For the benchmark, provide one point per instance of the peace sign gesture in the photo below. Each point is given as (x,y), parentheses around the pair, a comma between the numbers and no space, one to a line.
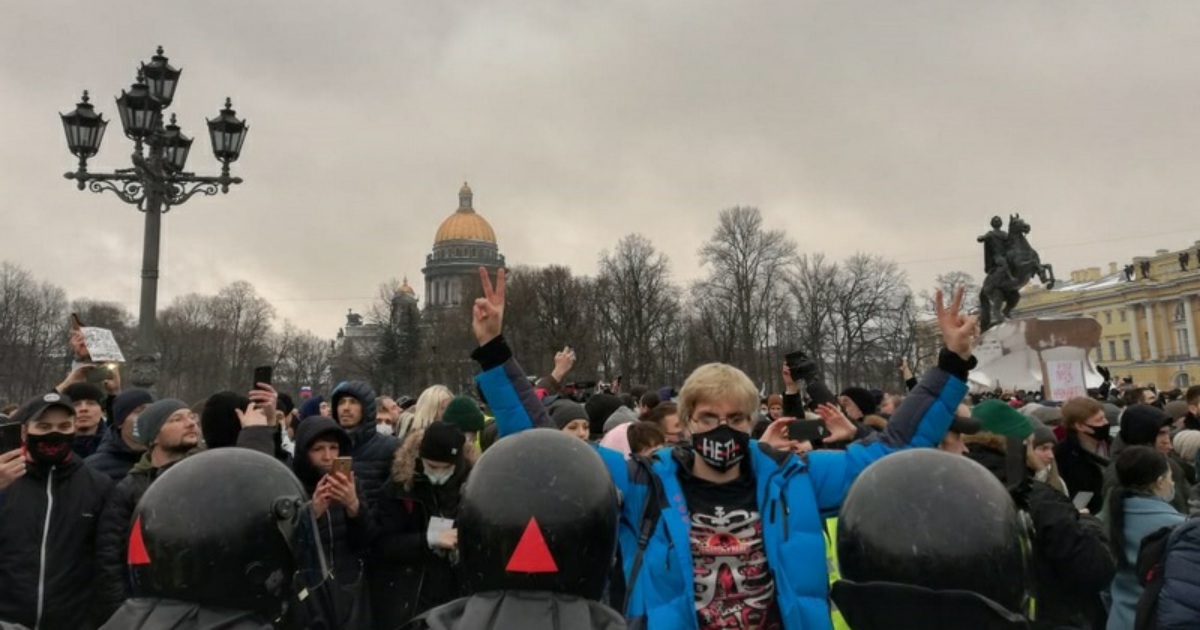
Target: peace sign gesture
(959,330)
(487,316)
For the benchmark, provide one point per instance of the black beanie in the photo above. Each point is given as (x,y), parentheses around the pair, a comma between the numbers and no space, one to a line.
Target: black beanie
(862,398)
(127,401)
(599,407)
(563,411)
(442,442)
(84,391)
(219,421)
(1140,424)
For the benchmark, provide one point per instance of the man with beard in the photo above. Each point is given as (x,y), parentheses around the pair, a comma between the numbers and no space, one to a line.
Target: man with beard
(48,516)
(170,432)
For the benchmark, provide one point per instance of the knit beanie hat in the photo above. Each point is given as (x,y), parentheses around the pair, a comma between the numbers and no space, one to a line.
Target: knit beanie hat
(1186,444)
(1140,424)
(127,401)
(862,399)
(442,442)
(774,400)
(563,411)
(219,421)
(1042,434)
(1176,409)
(152,419)
(623,415)
(465,414)
(1112,413)
(599,407)
(84,391)
(311,407)
(1000,418)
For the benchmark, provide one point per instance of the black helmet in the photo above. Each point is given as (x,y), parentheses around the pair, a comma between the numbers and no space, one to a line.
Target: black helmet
(934,520)
(217,529)
(539,513)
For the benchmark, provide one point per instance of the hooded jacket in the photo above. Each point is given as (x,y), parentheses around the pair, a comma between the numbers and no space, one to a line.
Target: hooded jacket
(792,494)
(48,522)
(372,451)
(114,457)
(1143,515)
(528,610)
(1179,600)
(169,614)
(408,577)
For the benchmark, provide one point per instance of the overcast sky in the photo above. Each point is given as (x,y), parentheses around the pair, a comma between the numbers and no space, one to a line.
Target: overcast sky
(897,128)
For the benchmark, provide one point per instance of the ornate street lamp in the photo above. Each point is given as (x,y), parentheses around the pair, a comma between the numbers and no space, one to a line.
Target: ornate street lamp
(157,181)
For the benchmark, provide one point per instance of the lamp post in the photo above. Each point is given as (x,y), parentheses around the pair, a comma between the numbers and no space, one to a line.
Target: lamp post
(157,181)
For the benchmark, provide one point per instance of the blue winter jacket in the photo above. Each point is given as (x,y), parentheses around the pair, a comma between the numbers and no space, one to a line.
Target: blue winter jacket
(1143,516)
(793,492)
(1179,600)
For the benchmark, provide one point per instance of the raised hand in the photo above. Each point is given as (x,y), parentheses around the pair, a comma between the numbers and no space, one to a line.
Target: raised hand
(253,416)
(959,330)
(487,315)
(839,426)
(563,362)
(264,396)
(789,384)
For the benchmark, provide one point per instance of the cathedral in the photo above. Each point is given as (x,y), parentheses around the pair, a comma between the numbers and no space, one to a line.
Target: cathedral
(422,346)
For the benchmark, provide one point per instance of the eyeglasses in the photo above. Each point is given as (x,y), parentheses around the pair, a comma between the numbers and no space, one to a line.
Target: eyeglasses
(738,421)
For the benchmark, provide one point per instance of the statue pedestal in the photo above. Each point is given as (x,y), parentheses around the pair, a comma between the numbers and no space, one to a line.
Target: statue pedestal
(1011,355)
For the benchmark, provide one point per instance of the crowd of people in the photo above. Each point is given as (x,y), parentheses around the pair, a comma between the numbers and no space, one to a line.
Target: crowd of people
(527,504)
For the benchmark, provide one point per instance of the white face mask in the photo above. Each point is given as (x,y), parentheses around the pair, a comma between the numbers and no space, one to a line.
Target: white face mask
(439,477)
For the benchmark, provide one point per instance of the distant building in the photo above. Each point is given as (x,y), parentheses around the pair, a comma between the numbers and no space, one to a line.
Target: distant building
(430,345)
(1147,311)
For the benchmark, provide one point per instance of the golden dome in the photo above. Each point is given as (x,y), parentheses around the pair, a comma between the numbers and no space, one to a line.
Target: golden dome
(404,288)
(465,224)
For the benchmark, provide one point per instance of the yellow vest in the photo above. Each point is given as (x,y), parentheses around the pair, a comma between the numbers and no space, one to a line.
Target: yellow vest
(831,561)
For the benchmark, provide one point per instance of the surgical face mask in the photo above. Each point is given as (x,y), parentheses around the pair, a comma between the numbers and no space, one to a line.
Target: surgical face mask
(439,477)
(51,448)
(1102,433)
(721,447)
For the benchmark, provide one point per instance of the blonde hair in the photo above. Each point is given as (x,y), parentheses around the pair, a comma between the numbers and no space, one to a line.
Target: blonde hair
(717,381)
(429,406)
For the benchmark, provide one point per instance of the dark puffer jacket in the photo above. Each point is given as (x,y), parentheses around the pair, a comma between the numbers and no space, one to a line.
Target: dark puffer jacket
(48,521)
(372,451)
(407,577)
(1081,470)
(344,539)
(528,610)
(114,457)
(1179,600)
(168,614)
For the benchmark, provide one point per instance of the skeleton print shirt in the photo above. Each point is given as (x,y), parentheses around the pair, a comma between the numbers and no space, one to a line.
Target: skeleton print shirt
(734,588)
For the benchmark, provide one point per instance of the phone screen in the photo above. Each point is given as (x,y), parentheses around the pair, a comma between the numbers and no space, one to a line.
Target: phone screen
(1082,499)
(806,430)
(10,437)
(262,374)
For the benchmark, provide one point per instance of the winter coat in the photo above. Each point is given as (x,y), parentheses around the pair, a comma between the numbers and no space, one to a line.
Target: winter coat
(48,522)
(114,457)
(112,539)
(169,614)
(407,576)
(1179,600)
(888,606)
(1081,470)
(372,451)
(794,540)
(1183,489)
(344,539)
(527,610)
(1143,515)
(85,445)
(1072,562)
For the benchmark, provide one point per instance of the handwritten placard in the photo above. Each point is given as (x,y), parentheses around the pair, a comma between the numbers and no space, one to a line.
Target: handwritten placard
(1065,380)
(101,345)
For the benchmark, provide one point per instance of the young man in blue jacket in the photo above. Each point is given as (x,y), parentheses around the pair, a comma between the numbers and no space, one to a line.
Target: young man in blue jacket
(737,541)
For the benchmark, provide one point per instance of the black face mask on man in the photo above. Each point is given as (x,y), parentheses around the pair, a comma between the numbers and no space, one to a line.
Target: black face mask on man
(1101,433)
(721,447)
(50,449)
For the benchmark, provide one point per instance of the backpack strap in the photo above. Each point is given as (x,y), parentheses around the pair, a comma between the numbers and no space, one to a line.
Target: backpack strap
(648,520)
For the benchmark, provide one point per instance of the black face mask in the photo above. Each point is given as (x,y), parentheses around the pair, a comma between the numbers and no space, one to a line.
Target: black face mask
(1102,434)
(722,447)
(50,449)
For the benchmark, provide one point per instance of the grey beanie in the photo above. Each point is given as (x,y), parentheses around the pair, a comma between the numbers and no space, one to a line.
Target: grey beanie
(562,412)
(621,416)
(152,419)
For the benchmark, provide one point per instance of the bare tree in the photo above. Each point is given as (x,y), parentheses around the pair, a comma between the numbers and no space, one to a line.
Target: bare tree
(635,301)
(747,275)
(33,334)
(948,282)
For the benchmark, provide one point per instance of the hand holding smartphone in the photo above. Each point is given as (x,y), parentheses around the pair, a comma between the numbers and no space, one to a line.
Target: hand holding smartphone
(10,436)
(262,374)
(343,465)
(806,430)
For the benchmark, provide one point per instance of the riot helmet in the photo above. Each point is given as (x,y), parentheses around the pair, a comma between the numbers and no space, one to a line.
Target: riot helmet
(930,519)
(539,513)
(219,529)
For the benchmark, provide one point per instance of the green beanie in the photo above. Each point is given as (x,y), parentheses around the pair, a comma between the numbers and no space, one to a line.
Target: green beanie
(465,414)
(1000,418)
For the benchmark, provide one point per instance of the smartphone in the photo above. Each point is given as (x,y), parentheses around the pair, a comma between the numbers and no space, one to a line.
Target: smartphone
(343,465)
(793,360)
(10,436)
(262,374)
(1081,499)
(806,430)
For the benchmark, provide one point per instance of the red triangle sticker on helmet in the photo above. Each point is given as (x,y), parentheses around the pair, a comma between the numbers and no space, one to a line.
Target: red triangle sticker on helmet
(137,547)
(532,555)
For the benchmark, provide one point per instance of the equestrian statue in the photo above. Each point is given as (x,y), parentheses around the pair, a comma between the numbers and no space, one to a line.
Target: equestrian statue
(1009,264)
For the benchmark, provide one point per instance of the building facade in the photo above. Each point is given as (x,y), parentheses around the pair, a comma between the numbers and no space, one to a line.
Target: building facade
(1147,311)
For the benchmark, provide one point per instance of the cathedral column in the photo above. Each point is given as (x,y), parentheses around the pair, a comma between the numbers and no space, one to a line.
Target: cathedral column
(1135,337)
(1150,325)
(1190,322)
